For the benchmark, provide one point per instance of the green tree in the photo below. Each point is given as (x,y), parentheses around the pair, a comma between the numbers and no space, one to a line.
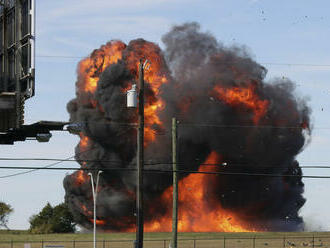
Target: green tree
(56,219)
(40,223)
(5,211)
(62,220)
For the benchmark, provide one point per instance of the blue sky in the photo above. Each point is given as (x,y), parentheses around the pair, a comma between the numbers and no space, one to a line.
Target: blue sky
(285,32)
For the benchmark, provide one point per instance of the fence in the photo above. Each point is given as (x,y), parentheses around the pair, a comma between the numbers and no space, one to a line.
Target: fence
(226,242)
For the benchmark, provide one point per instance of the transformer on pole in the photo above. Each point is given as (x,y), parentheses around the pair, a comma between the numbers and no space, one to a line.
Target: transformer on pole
(132,97)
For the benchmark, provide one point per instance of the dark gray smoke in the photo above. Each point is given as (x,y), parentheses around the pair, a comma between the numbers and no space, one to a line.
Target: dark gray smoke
(195,63)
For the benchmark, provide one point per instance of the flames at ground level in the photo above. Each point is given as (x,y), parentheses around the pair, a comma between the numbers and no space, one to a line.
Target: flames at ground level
(198,210)
(195,213)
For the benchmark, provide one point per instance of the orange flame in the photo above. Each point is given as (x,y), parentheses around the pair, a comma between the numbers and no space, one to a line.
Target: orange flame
(98,222)
(238,96)
(155,78)
(90,68)
(195,213)
(90,213)
(85,210)
(83,144)
(80,177)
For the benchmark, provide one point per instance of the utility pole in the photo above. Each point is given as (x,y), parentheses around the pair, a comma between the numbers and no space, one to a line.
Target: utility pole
(131,103)
(175,185)
(140,160)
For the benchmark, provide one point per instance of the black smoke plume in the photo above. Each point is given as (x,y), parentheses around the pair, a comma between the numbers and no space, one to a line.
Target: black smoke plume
(194,64)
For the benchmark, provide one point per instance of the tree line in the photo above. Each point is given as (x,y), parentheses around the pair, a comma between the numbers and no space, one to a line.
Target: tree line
(57,219)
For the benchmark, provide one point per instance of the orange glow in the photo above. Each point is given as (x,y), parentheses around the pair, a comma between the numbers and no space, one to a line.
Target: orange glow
(85,210)
(194,212)
(98,222)
(199,211)
(90,68)
(247,97)
(81,177)
(83,144)
(90,213)
(154,77)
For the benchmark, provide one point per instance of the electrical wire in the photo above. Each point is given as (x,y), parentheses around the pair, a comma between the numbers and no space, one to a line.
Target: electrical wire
(32,169)
(224,164)
(167,171)
(49,166)
(242,126)
(146,163)
(232,62)
(186,124)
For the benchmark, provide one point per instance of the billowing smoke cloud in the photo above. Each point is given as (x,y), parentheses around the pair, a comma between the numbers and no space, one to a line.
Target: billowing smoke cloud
(224,106)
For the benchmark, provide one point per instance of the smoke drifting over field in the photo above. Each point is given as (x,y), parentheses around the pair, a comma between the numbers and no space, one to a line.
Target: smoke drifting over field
(228,116)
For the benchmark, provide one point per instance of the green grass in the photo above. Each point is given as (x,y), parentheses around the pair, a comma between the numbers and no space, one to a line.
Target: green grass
(16,239)
(22,235)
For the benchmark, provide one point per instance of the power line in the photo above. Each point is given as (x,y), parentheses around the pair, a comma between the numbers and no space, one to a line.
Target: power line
(232,62)
(168,171)
(187,124)
(44,167)
(243,126)
(224,164)
(32,169)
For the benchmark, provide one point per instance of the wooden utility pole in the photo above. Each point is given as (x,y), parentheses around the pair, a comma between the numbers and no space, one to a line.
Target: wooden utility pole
(175,185)
(140,161)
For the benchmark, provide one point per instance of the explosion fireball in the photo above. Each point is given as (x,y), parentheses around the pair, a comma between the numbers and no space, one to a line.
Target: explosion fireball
(231,120)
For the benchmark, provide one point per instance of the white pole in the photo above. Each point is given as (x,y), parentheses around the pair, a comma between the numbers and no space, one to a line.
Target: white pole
(94,192)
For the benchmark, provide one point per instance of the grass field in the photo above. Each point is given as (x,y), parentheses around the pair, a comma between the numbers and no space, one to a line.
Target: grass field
(17,239)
